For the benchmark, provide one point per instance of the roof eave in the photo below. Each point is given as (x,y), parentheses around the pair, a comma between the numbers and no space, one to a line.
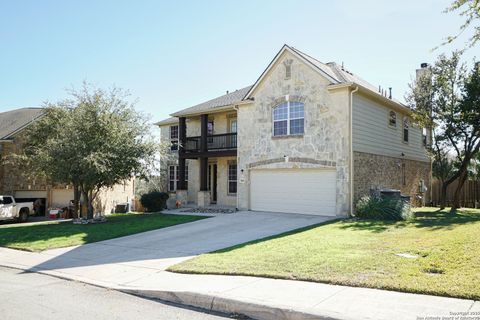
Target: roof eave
(18,130)
(209,111)
(165,122)
(372,94)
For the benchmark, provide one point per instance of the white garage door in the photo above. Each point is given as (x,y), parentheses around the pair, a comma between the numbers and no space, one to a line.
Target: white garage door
(307,191)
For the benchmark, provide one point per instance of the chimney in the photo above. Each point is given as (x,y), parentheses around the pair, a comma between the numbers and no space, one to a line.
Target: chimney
(227,92)
(390,94)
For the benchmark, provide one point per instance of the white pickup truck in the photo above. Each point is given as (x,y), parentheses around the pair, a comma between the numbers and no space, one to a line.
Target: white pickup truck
(10,209)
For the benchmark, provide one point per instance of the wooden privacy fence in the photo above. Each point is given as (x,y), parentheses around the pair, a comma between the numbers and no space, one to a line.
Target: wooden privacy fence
(469,195)
(138,206)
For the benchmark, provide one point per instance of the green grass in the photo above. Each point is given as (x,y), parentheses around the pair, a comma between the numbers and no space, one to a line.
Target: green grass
(49,235)
(362,253)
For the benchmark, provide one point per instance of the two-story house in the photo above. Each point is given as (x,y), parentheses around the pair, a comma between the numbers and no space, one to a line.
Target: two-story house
(306,137)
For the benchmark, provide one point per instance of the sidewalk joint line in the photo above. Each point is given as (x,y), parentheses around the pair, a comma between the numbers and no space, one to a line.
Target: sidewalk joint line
(242,285)
(331,296)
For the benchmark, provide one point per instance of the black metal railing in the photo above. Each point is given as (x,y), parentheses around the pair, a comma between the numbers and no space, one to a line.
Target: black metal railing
(216,142)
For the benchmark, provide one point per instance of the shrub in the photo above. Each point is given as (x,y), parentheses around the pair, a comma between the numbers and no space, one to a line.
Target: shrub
(377,208)
(154,201)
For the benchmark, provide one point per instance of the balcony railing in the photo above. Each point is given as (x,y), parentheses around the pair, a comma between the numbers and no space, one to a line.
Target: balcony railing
(216,142)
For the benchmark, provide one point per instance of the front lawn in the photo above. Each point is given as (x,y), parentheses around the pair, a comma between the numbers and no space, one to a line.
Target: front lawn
(441,255)
(55,234)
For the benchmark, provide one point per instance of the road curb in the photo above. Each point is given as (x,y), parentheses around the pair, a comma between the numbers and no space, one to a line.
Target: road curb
(207,302)
(228,306)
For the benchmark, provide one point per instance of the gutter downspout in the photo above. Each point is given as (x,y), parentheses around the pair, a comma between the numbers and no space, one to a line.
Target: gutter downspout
(351,148)
(235,107)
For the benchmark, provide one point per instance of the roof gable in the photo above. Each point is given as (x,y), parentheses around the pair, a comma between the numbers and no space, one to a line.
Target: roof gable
(323,69)
(11,122)
(332,72)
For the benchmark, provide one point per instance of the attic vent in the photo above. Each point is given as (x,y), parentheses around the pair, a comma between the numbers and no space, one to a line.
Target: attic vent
(288,68)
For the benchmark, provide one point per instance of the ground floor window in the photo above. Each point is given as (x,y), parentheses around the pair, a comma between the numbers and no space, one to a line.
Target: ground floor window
(173,174)
(232,177)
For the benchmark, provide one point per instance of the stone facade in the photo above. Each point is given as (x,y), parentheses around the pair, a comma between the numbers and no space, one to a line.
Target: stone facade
(373,171)
(14,181)
(331,134)
(221,122)
(325,142)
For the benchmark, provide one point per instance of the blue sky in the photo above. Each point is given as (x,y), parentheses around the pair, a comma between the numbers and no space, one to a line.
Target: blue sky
(172,55)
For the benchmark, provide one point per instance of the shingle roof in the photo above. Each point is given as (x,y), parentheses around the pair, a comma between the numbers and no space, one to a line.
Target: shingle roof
(170,120)
(339,74)
(15,120)
(222,101)
(332,71)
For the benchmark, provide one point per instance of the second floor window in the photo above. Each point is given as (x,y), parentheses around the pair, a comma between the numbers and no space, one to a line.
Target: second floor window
(210,127)
(288,119)
(392,119)
(174,138)
(406,126)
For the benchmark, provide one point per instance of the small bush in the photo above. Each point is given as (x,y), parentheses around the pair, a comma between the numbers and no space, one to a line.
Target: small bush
(154,201)
(377,208)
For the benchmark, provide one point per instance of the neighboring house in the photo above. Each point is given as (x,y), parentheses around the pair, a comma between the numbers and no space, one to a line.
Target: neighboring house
(306,137)
(13,181)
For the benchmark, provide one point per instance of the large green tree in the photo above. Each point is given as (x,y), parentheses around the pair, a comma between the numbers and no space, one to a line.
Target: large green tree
(93,140)
(469,10)
(446,101)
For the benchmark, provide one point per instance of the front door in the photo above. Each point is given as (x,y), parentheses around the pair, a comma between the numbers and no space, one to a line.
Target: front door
(212,181)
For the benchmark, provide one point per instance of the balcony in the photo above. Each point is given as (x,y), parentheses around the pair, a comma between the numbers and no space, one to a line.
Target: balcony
(217,145)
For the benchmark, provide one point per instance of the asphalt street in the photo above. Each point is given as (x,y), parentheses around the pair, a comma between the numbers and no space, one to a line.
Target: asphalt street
(26,295)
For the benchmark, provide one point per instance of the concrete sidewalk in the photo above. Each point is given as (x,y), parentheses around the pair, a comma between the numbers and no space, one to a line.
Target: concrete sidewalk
(255,297)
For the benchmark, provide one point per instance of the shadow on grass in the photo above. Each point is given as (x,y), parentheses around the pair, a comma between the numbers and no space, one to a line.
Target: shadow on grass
(430,220)
(277,236)
(56,234)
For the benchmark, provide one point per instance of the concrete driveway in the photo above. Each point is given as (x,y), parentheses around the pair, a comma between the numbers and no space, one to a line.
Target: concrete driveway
(131,257)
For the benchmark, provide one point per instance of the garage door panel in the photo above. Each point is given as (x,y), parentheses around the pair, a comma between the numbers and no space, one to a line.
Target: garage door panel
(296,191)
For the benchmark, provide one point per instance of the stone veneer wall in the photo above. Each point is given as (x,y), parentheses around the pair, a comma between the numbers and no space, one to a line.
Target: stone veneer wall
(221,125)
(373,171)
(326,137)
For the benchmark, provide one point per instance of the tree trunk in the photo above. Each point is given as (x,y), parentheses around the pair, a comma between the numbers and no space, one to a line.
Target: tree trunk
(88,200)
(76,199)
(443,195)
(89,206)
(456,197)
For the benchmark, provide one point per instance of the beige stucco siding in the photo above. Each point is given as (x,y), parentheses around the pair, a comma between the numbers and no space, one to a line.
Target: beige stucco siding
(373,134)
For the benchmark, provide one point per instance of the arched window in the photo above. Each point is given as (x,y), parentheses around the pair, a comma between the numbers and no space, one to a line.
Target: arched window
(288,119)
(392,119)
(405,129)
